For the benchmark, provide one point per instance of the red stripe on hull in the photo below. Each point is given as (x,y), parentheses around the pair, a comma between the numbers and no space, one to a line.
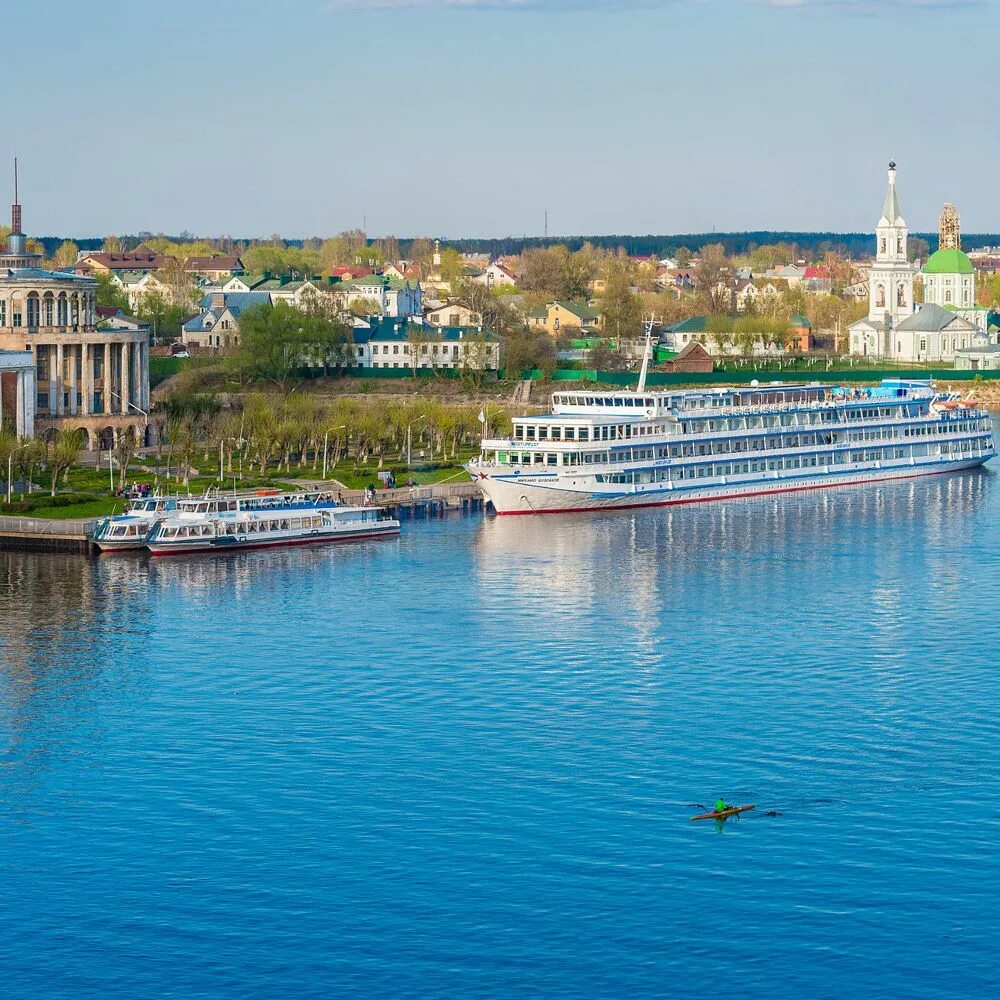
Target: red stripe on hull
(271,545)
(723,496)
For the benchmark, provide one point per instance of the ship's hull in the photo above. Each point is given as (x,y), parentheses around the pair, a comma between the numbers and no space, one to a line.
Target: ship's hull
(112,545)
(520,495)
(229,543)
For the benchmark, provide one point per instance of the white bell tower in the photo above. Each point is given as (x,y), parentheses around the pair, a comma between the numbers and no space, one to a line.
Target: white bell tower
(890,283)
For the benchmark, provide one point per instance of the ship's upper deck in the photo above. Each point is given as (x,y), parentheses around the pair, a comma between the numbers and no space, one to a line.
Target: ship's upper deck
(693,402)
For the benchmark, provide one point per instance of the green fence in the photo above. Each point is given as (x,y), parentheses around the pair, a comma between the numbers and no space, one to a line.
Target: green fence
(746,377)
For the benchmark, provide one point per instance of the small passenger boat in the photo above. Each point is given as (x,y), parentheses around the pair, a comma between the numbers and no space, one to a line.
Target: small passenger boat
(131,529)
(268,526)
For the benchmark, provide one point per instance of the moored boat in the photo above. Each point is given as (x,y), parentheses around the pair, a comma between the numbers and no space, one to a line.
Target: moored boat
(130,530)
(266,527)
(606,450)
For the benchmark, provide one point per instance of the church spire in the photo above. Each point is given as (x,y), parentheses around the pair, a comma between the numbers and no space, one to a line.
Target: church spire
(890,210)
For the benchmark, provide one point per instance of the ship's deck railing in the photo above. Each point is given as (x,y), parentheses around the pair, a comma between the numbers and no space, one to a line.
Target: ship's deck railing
(736,433)
(831,403)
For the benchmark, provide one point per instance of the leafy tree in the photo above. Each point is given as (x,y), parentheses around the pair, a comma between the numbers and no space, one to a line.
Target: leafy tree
(525,350)
(421,252)
(389,246)
(495,315)
(917,248)
(366,307)
(711,273)
(683,256)
(622,311)
(452,267)
(110,293)
(65,452)
(112,244)
(544,270)
(276,340)
(66,254)
(477,349)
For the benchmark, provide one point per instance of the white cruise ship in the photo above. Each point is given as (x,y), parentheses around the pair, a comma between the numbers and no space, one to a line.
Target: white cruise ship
(601,450)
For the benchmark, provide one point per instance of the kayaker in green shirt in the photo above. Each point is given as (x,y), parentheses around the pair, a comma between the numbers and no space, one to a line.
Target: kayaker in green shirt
(721,806)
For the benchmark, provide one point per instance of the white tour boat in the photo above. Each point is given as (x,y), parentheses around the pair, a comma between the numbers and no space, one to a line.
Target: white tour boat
(131,529)
(605,450)
(291,519)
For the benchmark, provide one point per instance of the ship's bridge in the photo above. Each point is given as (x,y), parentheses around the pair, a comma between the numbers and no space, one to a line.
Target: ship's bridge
(632,405)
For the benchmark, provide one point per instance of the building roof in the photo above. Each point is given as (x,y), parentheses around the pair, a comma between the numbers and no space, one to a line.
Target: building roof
(391,329)
(932,319)
(41,274)
(982,349)
(579,309)
(694,324)
(216,262)
(235,302)
(141,257)
(948,262)
(800,321)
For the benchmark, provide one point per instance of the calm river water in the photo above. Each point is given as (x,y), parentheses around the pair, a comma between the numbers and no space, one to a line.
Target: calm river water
(461,764)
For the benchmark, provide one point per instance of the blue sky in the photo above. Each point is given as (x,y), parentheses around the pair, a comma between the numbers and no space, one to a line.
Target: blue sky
(472,117)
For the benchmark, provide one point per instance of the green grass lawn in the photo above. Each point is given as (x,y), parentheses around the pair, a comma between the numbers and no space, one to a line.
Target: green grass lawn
(102,507)
(359,480)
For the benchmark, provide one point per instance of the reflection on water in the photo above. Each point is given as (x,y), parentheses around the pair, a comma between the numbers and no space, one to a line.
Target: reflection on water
(460,762)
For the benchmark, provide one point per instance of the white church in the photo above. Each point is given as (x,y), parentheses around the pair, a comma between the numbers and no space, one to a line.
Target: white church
(947,321)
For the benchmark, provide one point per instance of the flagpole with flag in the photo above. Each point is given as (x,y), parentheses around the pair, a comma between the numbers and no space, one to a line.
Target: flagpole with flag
(482,420)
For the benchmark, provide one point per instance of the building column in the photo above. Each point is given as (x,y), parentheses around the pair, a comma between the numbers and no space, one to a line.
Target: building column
(24,403)
(86,379)
(107,378)
(74,353)
(60,380)
(1,399)
(126,377)
(144,375)
(52,380)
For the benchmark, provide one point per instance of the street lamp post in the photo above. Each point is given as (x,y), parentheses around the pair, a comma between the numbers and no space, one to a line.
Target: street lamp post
(409,435)
(145,416)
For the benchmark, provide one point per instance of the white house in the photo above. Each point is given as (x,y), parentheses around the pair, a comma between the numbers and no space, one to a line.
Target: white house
(393,297)
(452,314)
(496,275)
(394,343)
(217,325)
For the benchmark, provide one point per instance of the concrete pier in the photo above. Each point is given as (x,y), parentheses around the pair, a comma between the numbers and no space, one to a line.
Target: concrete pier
(424,501)
(39,534)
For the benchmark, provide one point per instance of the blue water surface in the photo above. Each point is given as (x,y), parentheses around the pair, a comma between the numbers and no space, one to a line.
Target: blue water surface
(462,763)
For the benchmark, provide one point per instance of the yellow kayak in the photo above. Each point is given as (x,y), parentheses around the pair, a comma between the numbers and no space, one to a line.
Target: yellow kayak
(725,813)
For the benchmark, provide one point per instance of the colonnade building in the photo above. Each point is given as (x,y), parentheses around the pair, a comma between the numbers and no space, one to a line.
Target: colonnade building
(96,380)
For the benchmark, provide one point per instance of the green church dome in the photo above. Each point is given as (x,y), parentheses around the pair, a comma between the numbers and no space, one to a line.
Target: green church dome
(948,262)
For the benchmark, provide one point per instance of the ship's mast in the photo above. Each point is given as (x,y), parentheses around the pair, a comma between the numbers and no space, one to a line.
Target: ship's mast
(646,352)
